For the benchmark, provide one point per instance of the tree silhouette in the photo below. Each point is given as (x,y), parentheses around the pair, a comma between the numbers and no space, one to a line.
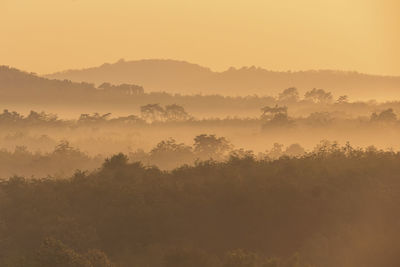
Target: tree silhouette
(275,117)
(123,89)
(168,154)
(176,113)
(210,146)
(270,112)
(152,112)
(387,116)
(295,150)
(116,161)
(318,96)
(319,119)
(342,99)
(289,95)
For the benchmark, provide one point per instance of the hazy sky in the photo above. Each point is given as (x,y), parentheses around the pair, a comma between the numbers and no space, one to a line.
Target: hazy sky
(50,35)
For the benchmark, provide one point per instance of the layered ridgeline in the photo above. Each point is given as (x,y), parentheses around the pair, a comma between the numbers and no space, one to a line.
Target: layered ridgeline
(182,77)
(28,90)
(20,84)
(25,91)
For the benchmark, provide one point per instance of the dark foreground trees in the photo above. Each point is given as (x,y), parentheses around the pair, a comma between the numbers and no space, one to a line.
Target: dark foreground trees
(335,207)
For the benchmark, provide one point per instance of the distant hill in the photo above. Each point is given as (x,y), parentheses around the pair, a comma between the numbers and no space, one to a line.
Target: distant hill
(22,88)
(20,83)
(14,81)
(25,91)
(183,77)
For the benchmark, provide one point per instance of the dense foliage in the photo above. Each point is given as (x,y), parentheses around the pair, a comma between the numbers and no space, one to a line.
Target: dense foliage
(61,162)
(337,206)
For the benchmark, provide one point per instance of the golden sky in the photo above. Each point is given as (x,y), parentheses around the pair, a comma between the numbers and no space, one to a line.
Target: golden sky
(51,35)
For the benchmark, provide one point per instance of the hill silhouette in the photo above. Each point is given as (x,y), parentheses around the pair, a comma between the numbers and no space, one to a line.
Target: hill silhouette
(183,77)
(31,91)
(27,91)
(14,82)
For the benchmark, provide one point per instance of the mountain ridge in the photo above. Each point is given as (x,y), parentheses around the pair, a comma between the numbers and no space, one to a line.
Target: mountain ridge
(252,67)
(183,77)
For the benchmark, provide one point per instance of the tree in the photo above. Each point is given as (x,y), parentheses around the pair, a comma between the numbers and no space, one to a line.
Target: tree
(241,154)
(295,150)
(175,113)
(289,95)
(152,112)
(318,96)
(276,151)
(155,112)
(128,119)
(105,86)
(319,119)
(210,146)
(10,117)
(342,99)
(168,154)
(116,161)
(94,118)
(124,89)
(63,147)
(275,117)
(280,120)
(270,112)
(36,117)
(386,115)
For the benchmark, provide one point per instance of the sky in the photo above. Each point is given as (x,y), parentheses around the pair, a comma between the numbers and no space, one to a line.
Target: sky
(46,36)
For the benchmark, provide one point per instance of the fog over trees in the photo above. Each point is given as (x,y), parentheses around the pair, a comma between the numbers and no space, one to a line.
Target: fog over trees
(168,164)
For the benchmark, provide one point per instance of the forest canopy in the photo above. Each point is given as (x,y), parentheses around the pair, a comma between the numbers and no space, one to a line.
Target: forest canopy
(318,209)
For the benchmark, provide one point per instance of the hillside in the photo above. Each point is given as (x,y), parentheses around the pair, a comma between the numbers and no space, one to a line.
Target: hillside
(19,83)
(26,91)
(182,77)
